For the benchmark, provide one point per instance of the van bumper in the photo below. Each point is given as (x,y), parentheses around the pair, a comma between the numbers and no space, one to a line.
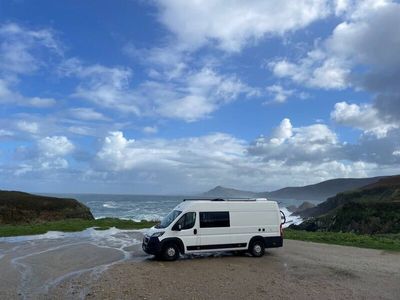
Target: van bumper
(273,242)
(151,245)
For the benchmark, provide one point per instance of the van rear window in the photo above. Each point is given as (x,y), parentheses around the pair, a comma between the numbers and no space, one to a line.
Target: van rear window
(214,219)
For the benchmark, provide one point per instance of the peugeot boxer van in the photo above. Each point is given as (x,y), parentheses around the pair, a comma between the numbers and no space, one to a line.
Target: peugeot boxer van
(206,225)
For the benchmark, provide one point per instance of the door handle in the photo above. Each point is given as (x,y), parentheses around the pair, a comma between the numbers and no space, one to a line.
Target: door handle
(195,231)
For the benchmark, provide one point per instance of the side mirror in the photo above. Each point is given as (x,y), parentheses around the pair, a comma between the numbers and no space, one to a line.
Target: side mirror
(177,227)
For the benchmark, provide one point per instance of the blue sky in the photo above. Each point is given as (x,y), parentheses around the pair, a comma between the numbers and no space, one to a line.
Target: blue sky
(180,96)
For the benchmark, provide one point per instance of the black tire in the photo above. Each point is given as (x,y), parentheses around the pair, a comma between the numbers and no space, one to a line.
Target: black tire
(257,248)
(170,252)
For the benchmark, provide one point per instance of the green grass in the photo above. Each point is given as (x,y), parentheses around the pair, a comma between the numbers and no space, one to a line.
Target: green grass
(389,242)
(71,225)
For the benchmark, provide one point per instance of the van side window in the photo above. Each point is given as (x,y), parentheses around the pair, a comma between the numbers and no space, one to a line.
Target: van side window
(186,221)
(214,219)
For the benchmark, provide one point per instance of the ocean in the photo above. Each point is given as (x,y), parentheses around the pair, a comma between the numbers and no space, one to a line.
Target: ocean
(147,207)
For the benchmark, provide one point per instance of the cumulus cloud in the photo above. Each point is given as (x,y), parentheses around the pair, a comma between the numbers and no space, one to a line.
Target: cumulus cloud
(303,155)
(299,155)
(367,37)
(55,146)
(120,153)
(362,52)
(197,23)
(292,145)
(364,117)
(315,70)
(50,154)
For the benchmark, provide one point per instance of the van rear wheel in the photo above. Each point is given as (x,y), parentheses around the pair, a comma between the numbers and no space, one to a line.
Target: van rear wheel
(257,248)
(170,252)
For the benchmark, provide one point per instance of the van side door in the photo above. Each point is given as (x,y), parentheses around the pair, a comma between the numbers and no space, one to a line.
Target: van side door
(214,230)
(186,229)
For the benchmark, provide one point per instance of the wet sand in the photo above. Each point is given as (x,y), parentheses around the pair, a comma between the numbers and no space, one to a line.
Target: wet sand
(114,267)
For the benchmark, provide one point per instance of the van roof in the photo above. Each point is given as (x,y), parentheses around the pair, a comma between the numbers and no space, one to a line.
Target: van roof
(224,204)
(226,199)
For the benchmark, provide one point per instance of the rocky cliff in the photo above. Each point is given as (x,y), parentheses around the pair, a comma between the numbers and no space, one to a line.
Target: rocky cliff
(19,207)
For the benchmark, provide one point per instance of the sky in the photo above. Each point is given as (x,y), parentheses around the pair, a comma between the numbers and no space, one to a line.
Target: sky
(178,96)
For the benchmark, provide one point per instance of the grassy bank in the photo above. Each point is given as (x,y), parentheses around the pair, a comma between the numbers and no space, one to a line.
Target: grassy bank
(71,225)
(389,242)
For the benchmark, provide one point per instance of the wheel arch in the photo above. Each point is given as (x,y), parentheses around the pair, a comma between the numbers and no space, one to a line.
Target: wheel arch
(256,238)
(176,241)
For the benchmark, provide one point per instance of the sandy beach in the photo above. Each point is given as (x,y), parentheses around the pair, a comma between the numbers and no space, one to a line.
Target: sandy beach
(111,265)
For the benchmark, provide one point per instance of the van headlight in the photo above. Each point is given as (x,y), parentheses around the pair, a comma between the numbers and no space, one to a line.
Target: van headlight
(158,234)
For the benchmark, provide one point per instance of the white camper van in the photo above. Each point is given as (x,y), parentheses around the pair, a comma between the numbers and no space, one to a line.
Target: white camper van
(205,225)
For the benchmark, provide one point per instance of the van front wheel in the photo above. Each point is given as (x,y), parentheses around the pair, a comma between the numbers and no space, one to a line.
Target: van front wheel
(257,248)
(170,252)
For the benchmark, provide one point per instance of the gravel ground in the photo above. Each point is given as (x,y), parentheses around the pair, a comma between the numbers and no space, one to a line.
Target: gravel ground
(111,265)
(299,270)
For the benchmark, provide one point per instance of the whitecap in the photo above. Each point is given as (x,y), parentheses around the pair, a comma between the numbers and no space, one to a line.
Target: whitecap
(110,204)
(291,218)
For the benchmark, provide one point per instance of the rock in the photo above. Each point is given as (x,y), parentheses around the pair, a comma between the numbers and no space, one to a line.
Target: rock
(292,208)
(305,205)
(20,208)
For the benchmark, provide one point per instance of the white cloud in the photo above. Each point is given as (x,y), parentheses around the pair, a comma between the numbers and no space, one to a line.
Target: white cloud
(193,96)
(362,51)
(119,153)
(8,96)
(55,146)
(38,102)
(279,94)
(314,143)
(283,132)
(305,155)
(30,127)
(364,117)
(105,86)
(197,23)
(21,48)
(87,114)
(150,129)
(6,133)
(396,153)
(315,70)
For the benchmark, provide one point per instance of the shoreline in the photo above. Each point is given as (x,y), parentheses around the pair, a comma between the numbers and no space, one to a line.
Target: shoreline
(389,242)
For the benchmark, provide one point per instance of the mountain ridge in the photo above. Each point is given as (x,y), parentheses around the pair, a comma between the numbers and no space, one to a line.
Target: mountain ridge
(318,191)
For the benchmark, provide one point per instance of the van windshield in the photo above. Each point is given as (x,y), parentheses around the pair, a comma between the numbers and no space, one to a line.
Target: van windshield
(169,219)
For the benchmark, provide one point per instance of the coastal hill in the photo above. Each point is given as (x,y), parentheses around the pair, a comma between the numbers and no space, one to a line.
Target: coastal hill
(374,208)
(320,191)
(223,192)
(19,208)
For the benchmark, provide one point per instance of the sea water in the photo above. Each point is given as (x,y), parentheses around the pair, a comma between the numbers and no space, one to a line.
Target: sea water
(148,207)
